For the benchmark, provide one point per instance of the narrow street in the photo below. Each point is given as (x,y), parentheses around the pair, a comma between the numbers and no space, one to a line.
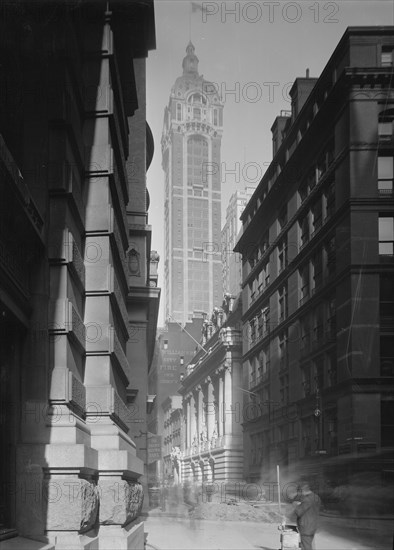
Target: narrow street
(173,533)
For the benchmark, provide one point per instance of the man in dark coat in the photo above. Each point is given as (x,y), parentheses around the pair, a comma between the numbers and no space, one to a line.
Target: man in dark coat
(307,511)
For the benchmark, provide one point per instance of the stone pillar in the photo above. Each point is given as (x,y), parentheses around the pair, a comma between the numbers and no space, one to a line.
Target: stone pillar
(121,500)
(228,401)
(221,402)
(74,502)
(211,413)
(188,423)
(193,420)
(57,495)
(199,413)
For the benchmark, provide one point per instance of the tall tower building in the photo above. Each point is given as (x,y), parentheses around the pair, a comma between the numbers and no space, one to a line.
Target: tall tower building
(191,140)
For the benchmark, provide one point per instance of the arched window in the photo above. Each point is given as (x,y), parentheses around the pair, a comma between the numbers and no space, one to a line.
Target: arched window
(196,113)
(197,98)
(215,117)
(178,111)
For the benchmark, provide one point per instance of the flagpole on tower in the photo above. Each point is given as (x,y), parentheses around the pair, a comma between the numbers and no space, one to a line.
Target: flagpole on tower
(190,21)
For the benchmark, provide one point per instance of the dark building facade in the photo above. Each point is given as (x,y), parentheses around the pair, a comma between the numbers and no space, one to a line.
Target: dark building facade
(318,273)
(77,279)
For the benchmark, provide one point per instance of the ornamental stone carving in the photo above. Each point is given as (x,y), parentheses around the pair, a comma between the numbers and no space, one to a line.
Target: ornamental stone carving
(78,393)
(73,503)
(89,505)
(77,263)
(134,262)
(176,454)
(121,501)
(154,256)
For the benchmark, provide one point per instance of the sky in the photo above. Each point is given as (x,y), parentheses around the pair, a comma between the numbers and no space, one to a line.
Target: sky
(252,51)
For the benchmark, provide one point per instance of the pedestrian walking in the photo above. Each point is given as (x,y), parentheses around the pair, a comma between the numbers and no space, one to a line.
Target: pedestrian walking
(307,509)
(164,496)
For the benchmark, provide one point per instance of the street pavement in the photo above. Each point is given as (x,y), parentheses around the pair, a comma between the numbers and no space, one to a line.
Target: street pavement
(171,532)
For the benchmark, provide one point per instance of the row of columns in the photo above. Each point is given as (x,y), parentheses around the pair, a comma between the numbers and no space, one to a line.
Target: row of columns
(208,408)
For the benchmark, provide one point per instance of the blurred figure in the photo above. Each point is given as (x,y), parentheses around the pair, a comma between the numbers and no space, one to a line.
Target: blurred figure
(307,509)
(189,496)
(164,496)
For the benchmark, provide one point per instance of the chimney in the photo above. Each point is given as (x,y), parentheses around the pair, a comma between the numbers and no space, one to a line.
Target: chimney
(299,93)
(277,130)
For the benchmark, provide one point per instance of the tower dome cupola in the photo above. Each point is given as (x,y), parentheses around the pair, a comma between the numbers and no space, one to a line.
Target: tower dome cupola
(190,61)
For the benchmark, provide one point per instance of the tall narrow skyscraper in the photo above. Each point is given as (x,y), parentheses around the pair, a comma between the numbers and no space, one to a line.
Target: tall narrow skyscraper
(191,141)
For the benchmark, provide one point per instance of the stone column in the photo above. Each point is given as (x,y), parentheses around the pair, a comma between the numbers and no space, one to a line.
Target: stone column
(193,420)
(188,422)
(121,499)
(211,413)
(199,412)
(228,401)
(221,401)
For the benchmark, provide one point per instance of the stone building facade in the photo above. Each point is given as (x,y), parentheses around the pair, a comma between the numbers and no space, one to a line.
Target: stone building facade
(175,347)
(72,246)
(318,274)
(212,447)
(172,439)
(191,141)
(232,261)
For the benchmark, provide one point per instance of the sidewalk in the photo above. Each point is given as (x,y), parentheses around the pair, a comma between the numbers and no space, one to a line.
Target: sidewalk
(166,531)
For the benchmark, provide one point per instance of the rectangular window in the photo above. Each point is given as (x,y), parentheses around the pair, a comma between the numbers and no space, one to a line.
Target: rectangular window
(282,299)
(316,216)
(386,56)
(386,235)
(252,378)
(178,111)
(267,274)
(282,217)
(304,228)
(264,360)
(385,129)
(317,267)
(265,319)
(282,342)
(330,313)
(320,167)
(330,257)
(260,324)
(215,117)
(386,298)
(307,381)
(330,201)
(331,370)
(282,255)
(318,372)
(196,113)
(305,335)
(387,423)
(318,327)
(385,175)
(387,355)
(252,328)
(284,389)
(304,283)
